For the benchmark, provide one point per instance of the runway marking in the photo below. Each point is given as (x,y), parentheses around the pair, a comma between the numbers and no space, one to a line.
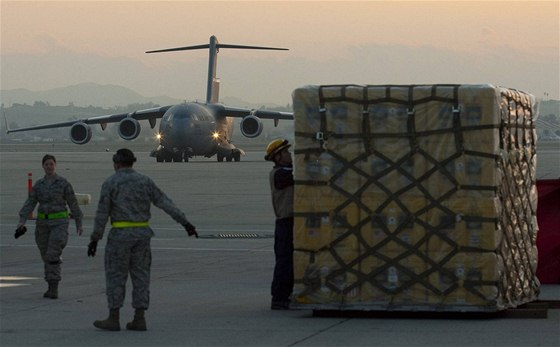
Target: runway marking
(171,248)
(11,279)
(8,285)
(215,230)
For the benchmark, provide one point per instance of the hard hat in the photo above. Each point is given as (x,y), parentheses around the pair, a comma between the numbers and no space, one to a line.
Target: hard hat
(275,147)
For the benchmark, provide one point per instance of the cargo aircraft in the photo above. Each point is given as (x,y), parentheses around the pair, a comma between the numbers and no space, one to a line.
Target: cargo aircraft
(188,129)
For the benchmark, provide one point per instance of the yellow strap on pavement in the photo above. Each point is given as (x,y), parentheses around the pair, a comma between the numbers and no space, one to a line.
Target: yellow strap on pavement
(127,224)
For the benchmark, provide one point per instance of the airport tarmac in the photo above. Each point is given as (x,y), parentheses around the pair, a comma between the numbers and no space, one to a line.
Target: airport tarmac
(210,291)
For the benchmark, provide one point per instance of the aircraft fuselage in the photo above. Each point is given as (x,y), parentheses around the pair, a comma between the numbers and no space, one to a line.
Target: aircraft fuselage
(194,129)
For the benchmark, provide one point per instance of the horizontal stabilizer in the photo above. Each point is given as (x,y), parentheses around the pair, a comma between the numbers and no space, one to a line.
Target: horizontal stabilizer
(212,91)
(218,46)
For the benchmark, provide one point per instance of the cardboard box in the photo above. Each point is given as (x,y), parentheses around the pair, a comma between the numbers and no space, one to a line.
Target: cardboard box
(415,197)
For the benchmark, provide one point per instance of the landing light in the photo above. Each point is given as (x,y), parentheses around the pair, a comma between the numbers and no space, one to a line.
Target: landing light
(158,136)
(215,135)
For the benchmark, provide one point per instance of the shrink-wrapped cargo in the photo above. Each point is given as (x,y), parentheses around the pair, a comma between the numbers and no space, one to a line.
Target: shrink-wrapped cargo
(414,197)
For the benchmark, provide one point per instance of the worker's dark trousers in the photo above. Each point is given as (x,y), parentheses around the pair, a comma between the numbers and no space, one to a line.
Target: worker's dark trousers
(283,280)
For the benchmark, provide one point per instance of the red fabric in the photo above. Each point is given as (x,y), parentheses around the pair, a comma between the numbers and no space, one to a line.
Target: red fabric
(548,238)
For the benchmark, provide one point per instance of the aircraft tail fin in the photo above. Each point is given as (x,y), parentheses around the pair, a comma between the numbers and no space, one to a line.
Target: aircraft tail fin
(6,122)
(213,85)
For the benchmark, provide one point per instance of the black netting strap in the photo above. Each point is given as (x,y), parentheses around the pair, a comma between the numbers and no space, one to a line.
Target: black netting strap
(321,136)
(305,134)
(310,183)
(388,98)
(457,128)
(480,127)
(410,120)
(439,268)
(480,219)
(366,134)
(311,279)
(483,188)
(474,286)
(311,214)
(376,135)
(439,166)
(532,142)
(493,156)
(409,250)
(347,165)
(349,198)
(374,179)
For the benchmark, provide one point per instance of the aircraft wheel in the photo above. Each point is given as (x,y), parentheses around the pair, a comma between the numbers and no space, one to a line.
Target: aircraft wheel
(237,156)
(220,157)
(159,159)
(229,157)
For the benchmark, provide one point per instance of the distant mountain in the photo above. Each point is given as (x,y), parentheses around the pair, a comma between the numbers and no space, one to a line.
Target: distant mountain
(84,94)
(97,95)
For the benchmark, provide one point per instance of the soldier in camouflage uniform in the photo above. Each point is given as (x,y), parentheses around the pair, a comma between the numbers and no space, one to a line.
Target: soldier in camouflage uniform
(126,198)
(53,193)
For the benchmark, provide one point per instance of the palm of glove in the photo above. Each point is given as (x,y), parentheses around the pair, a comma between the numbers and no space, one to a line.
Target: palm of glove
(92,249)
(191,230)
(20,231)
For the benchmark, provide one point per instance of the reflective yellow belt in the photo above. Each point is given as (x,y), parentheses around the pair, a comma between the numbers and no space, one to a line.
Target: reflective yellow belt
(54,215)
(126,224)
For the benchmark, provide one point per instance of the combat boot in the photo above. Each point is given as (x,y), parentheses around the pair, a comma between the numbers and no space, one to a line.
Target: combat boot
(52,292)
(139,322)
(111,323)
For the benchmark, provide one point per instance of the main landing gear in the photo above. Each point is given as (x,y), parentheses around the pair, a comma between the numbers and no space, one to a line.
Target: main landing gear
(234,155)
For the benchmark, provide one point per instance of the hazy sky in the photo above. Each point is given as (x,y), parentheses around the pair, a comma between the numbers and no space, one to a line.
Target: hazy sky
(48,44)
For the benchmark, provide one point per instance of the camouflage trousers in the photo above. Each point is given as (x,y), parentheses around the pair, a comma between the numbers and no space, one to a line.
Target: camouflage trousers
(51,236)
(123,257)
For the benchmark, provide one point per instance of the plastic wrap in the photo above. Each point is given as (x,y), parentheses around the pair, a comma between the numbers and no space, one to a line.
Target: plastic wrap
(414,197)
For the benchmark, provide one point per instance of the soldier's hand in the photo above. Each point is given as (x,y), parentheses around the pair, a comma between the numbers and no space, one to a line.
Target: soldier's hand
(20,230)
(92,249)
(191,230)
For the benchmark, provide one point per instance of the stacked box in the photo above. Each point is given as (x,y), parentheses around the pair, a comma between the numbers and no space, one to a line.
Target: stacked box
(414,197)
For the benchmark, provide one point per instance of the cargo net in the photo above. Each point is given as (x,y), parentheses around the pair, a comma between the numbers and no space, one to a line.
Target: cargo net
(414,196)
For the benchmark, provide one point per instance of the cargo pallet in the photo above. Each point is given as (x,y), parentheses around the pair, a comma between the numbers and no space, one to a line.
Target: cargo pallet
(536,309)
(414,198)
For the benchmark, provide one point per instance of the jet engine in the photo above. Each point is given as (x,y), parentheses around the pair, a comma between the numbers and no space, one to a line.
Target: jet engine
(251,126)
(129,128)
(80,133)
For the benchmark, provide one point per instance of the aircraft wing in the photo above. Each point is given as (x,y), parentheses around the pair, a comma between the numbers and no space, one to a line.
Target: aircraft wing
(229,111)
(151,114)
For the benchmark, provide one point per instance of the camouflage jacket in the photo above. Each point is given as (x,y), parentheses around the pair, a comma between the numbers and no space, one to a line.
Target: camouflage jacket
(52,194)
(127,196)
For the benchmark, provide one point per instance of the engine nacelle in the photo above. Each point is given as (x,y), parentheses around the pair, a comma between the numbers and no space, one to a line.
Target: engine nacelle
(129,128)
(80,133)
(251,126)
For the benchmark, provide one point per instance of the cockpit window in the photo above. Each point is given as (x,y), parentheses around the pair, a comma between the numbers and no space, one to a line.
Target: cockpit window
(180,116)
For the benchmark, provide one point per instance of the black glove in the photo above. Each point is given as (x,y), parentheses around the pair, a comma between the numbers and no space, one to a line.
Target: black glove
(191,230)
(20,231)
(91,249)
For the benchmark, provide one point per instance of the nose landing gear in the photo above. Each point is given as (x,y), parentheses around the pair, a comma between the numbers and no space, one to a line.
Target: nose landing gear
(233,155)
